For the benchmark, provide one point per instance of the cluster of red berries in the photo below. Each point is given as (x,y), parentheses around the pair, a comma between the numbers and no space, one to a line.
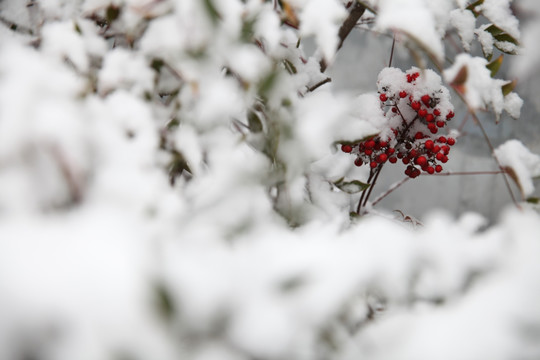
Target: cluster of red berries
(416,110)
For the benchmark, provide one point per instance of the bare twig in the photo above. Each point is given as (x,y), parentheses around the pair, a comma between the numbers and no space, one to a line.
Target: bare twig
(392,51)
(317,85)
(390,190)
(449,173)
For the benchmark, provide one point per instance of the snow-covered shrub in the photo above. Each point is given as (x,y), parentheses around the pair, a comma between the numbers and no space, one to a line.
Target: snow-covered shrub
(171,185)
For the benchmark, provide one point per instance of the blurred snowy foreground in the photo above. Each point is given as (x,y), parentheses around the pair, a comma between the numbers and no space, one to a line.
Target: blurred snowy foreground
(172,197)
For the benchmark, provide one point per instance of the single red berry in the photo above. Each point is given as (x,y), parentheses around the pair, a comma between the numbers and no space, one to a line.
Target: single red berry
(426,99)
(402,94)
(408,171)
(346,148)
(390,151)
(400,155)
(430,170)
(430,117)
(358,162)
(409,78)
(451,141)
(440,123)
(444,159)
(418,136)
(383,143)
(405,160)
(408,146)
(432,127)
(441,139)
(445,149)
(439,156)
(450,115)
(436,149)
(370,144)
(438,168)
(394,110)
(429,144)
(421,161)
(383,97)
(413,153)
(368,152)
(373,164)
(416,105)
(382,158)
(392,159)
(422,112)
(436,112)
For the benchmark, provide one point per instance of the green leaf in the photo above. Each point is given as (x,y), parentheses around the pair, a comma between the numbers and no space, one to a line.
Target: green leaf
(351,187)
(77,28)
(473,6)
(254,122)
(509,87)
(495,65)
(494,30)
(112,13)
(212,11)
(289,66)
(533,200)
(267,84)
(164,301)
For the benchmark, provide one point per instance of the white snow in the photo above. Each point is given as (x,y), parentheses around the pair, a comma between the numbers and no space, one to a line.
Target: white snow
(523,163)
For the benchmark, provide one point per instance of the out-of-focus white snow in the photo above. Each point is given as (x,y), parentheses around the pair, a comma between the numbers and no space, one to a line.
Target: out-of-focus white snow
(523,163)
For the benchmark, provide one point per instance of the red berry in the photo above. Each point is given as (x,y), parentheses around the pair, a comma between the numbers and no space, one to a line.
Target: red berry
(415,75)
(413,153)
(399,155)
(439,156)
(409,78)
(440,124)
(390,151)
(436,149)
(430,170)
(441,139)
(358,162)
(383,143)
(451,141)
(416,105)
(422,112)
(450,115)
(402,94)
(433,128)
(429,117)
(418,136)
(368,152)
(421,161)
(382,158)
(392,159)
(444,159)
(429,144)
(373,164)
(370,144)
(346,148)
(405,160)
(426,99)
(394,110)
(383,97)
(438,168)
(436,112)
(445,149)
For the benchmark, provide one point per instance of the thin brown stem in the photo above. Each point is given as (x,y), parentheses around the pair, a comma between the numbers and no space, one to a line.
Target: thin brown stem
(390,190)
(317,85)
(392,51)
(449,173)
(359,207)
(372,185)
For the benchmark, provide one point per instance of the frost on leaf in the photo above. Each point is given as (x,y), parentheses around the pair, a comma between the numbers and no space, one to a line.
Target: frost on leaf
(479,89)
(521,164)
